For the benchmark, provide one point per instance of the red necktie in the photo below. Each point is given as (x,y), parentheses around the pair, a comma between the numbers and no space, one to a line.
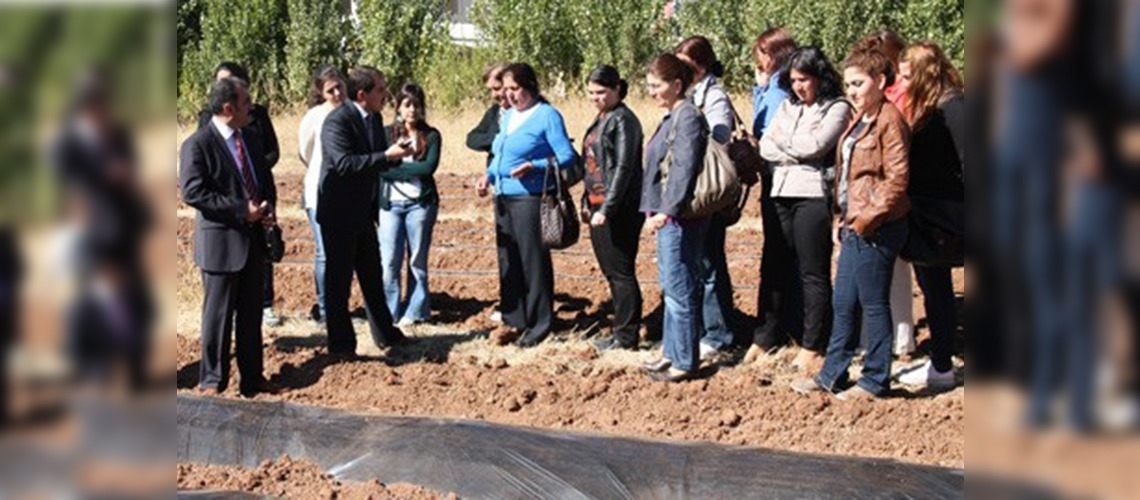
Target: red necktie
(246,172)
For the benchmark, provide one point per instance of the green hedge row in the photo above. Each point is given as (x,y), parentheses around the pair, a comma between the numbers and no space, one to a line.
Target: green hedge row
(283,41)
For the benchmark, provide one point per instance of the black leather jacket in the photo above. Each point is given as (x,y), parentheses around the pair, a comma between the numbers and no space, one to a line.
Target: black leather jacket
(618,152)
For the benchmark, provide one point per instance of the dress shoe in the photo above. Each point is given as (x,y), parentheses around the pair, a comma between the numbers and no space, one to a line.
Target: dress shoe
(611,343)
(673,376)
(856,393)
(261,387)
(531,339)
(657,365)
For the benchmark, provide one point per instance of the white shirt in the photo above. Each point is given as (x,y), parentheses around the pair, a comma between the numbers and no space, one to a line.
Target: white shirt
(412,190)
(311,151)
(231,142)
(520,117)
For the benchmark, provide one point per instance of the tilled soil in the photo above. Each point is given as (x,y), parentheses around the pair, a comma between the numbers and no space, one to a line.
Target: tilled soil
(290,478)
(456,372)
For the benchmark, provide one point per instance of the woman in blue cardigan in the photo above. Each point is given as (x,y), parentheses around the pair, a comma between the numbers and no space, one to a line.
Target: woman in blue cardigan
(532,138)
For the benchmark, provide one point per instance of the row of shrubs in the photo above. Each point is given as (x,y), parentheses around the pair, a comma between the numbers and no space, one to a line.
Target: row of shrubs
(283,41)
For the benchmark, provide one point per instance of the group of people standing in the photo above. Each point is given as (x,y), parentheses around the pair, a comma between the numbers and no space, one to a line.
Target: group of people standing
(844,152)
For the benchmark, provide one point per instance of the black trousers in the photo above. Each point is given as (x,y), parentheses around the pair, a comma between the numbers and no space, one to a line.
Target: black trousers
(348,251)
(233,302)
(615,245)
(267,290)
(805,227)
(526,273)
(779,303)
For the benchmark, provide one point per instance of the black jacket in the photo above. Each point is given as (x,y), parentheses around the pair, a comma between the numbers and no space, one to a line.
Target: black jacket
(350,170)
(260,124)
(618,153)
(937,153)
(483,135)
(212,184)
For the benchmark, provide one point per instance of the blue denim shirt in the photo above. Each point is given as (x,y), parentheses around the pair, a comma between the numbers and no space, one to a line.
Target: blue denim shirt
(691,138)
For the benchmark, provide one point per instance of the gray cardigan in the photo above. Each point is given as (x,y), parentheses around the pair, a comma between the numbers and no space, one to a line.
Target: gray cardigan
(800,143)
(669,196)
(713,101)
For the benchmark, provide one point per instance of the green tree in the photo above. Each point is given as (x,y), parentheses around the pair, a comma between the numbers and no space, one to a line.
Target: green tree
(401,37)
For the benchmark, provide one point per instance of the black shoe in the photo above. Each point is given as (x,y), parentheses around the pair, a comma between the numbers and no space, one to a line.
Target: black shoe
(531,339)
(658,365)
(610,343)
(670,376)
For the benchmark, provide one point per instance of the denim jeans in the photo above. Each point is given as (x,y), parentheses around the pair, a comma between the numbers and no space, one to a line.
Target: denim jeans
(406,227)
(679,248)
(716,305)
(863,280)
(319,260)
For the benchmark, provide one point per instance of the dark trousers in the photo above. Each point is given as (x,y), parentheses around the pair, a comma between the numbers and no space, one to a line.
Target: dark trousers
(233,302)
(716,306)
(938,299)
(863,282)
(802,272)
(779,303)
(526,273)
(348,251)
(615,245)
(267,285)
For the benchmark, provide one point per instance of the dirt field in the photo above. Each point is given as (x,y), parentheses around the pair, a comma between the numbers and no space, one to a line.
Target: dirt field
(563,383)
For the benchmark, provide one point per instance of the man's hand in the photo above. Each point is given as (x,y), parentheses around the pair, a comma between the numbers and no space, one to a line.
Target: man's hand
(254,213)
(270,215)
(482,186)
(398,151)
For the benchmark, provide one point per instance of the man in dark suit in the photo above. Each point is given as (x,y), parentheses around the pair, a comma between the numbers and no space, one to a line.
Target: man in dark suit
(261,127)
(355,152)
(225,178)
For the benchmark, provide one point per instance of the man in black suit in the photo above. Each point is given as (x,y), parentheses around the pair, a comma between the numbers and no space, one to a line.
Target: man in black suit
(262,126)
(224,176)
(355,152)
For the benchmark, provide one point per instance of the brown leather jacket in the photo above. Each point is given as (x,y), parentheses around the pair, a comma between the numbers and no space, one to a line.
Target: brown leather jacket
(879,172)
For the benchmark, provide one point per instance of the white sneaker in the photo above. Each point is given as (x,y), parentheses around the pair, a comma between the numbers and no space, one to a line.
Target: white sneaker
(925,374)
(270,318)
(497,317)
(706,352)
(406,322)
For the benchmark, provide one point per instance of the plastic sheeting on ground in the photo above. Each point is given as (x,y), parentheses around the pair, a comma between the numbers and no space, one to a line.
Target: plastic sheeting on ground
(482,460)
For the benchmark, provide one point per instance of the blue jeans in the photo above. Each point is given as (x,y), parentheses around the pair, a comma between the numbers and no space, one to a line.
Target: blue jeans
(863,280)
(406,227)
(716,306)
(319,261)
(679,248)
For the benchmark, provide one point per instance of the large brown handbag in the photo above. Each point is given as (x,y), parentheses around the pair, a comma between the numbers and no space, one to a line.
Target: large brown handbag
(716,188)
(556,213)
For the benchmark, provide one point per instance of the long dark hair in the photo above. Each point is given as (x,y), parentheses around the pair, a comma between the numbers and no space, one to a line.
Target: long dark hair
(699,49)
(813,62)
(608,77)
(523,74)
(414,94)
(324,75)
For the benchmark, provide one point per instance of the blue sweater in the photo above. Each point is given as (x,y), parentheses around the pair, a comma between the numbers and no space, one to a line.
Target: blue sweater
(765,101)
(539,138)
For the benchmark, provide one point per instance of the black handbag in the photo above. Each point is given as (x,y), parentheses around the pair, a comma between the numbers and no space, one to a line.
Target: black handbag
(274,244)
(937,233)
(557,214)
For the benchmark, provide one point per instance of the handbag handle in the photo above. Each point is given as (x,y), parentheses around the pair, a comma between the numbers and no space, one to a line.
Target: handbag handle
(551,162)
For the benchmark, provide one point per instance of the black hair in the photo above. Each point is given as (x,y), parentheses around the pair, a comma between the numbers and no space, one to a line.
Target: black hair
(235,70)
(523,74)
(813,62)
(361,78)
(323,75)
(608,77)
(225,91)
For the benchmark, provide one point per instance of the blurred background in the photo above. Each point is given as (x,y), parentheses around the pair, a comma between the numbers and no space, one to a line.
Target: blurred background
(87,152)
(89,95)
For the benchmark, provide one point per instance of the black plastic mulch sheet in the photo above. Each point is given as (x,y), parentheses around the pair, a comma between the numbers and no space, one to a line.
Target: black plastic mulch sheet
(481,460)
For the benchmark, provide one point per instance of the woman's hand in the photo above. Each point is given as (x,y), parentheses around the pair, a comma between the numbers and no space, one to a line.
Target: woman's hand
(836,227)
(482,186)
(397,151)
(598,220)
(522,170)
(656,222)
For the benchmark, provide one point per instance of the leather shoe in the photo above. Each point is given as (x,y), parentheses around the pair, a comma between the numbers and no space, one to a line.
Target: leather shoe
(530,339)
(208,391)
(611,343)
(261,387)
(657,365)
(672,376)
